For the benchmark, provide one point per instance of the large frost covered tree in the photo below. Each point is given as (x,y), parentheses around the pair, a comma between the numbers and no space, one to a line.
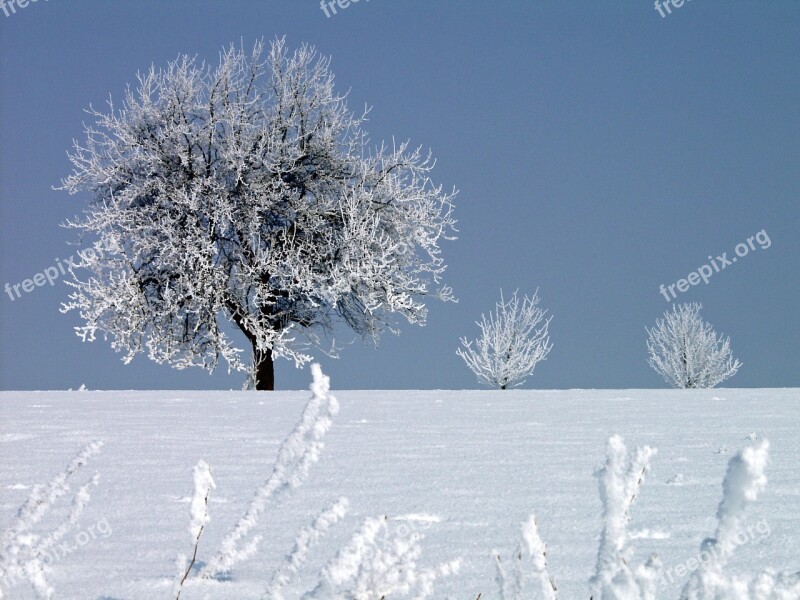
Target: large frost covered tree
(513,340)
(686,351)
(248,193)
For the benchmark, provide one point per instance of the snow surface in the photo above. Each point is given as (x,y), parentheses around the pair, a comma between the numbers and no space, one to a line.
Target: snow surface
(463,468)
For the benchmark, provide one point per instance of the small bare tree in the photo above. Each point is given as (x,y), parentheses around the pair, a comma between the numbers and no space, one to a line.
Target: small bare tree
(513,340)
(686,351)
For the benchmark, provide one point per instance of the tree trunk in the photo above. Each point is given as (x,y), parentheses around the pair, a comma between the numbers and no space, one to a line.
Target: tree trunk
(264,370)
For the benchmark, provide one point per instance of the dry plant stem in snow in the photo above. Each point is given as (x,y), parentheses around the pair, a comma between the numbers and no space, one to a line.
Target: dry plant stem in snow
(620,480)
(22,552)
(306,539)
(744,481)
(371,566)
(615,578)
(298,452)
(524,585)
(374,566)
(203,483)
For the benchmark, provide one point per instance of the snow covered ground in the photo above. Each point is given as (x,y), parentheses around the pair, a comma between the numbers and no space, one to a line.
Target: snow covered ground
(464,468)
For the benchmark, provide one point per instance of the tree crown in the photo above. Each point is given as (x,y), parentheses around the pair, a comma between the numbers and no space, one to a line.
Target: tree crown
(247,192)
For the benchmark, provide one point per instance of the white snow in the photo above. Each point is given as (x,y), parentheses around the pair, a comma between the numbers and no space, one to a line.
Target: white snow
(465,468)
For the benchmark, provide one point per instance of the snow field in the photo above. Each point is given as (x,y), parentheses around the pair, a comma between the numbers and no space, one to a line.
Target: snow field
(463,468)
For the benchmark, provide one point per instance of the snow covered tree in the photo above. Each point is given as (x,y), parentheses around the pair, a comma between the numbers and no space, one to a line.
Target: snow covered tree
(513,340)
(248,193)
(686,351)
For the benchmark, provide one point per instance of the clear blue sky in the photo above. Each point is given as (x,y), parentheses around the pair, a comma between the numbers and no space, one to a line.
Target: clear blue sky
(600,150)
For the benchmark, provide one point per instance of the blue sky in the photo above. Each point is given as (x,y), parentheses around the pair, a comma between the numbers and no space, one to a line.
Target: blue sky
(600,149)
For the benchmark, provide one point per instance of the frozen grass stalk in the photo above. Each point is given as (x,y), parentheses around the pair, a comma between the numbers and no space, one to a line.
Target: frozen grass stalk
(306,540)
(203,484)
(22,551)
(536,584)
(744,481)
(615,579)
(620,480)
(374,565)
(298,452)
(370,567)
